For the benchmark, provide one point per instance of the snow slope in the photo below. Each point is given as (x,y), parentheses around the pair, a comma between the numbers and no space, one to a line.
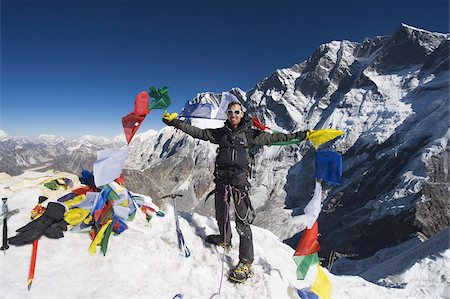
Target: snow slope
(144,262)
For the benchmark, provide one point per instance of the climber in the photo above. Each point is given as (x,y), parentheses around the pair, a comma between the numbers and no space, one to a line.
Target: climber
(231,173)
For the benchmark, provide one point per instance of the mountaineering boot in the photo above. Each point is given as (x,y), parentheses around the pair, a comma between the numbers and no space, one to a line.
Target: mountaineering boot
(241,273)
(217,240)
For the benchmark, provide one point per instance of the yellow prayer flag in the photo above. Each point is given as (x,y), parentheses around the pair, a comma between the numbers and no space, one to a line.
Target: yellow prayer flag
(98,238)
(322,286)
(76,216)
(319,137)
(74,201)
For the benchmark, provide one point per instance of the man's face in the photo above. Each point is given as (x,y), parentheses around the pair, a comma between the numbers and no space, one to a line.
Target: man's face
(235,114)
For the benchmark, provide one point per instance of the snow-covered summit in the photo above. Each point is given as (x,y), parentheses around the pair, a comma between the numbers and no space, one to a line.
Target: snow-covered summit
(147,135)
(94,139)
(147,254)
(412,28)
(3,135)
(50,139)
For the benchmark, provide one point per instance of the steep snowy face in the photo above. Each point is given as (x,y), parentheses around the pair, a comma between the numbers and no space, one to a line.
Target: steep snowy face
(94,140)
(395,115)
(3,135)
(406,47)
(50,139)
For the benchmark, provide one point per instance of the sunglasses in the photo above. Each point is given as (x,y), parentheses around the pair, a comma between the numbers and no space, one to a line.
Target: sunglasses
(237,112)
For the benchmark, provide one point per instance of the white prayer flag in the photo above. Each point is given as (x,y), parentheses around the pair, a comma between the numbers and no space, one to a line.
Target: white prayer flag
(312,209)
(109,165)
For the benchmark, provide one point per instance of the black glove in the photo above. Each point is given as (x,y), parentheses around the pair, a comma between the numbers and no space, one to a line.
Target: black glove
(301,135)
(172,123)
(55,231)
(36,228)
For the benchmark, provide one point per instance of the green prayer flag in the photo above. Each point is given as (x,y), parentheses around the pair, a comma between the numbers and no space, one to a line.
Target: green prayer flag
(131,216)
(105,240)
(52,185)
(292,141)
(112,195)
(159,98)
(303,263)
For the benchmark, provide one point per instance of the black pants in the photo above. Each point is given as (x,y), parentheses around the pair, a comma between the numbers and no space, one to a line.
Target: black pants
(241,203)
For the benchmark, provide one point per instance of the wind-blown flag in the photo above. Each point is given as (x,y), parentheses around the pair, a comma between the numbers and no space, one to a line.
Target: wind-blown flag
(322,286)
(109,164)
(308,243)
(133,121)
(319,137)
(206,110)
(259,125)
(329,166)
(197,110)
(303,263)
(160,97)
(292,141)
(312,209)
(306,252)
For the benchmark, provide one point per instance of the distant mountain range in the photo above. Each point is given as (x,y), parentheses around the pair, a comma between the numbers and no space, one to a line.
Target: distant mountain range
(389,94)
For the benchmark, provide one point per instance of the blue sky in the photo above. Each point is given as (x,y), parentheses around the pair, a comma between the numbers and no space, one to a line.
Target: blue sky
(72,68)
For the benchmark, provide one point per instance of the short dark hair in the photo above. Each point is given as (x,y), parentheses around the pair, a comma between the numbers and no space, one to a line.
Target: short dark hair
(234,103)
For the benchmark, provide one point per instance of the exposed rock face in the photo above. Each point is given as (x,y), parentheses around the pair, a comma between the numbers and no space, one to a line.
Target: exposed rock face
(433,211)
(408,46)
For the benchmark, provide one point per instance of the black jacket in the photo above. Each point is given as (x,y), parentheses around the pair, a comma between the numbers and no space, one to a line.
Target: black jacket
(234,144)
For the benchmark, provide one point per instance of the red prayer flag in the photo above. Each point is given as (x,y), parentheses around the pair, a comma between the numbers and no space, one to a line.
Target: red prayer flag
(133,121)
(82,190)
(120,180)
(131,124)
(308,243)
(141,103)
(258,124)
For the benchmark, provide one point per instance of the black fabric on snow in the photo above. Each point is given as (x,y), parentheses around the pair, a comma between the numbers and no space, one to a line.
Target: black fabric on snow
(55,231)
(36,228)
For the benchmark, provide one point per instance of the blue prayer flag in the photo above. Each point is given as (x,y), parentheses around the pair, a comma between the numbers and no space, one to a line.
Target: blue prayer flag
(197,110)
(329,166)
(306,293)
(100,201)
(87,178)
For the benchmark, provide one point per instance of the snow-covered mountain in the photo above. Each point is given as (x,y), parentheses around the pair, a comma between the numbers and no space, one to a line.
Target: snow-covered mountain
(389,94)
(3,135)
(144,262)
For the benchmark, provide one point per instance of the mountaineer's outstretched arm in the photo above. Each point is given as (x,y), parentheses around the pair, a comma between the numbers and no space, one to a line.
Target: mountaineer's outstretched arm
(210,135)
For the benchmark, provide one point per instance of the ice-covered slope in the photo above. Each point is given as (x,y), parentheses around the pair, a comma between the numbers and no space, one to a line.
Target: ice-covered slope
(394,111)
(144,262)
